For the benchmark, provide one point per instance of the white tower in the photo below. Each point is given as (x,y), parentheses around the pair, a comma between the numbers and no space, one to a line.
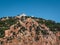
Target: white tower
(23,14)
(7,17)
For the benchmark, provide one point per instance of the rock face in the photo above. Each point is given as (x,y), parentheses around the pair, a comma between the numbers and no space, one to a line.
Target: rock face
(29,32)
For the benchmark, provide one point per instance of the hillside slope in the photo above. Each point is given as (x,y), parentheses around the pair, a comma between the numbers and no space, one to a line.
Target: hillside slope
(27,30)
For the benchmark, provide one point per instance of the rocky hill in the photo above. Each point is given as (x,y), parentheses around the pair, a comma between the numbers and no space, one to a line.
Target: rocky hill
(27,30)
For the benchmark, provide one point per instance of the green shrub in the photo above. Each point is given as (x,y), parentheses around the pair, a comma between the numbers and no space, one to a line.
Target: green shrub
(44,32)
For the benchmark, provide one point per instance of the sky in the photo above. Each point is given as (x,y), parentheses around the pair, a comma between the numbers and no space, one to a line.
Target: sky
(47,9)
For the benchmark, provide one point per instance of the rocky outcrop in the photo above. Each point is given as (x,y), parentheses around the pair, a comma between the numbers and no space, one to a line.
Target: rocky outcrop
(29,32)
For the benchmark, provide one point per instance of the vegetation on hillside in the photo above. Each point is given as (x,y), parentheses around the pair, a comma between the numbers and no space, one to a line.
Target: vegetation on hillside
(4,25)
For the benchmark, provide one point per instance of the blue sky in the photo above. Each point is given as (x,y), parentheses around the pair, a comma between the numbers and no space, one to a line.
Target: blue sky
(47,9)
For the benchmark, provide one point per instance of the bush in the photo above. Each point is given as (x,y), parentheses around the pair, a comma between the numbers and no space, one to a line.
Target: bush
(44,32)
(38,30)
(1,33)
(36,38)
